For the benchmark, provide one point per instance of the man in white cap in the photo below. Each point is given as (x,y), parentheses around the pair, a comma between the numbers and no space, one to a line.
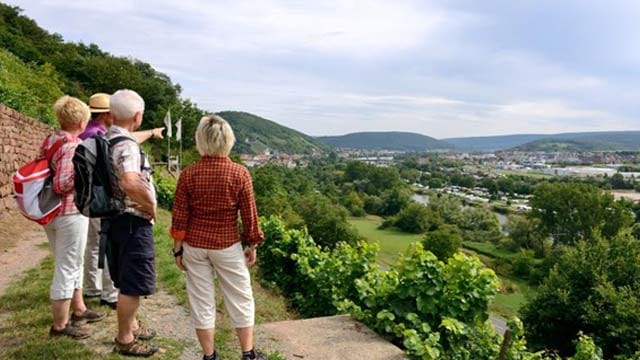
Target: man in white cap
(97,282)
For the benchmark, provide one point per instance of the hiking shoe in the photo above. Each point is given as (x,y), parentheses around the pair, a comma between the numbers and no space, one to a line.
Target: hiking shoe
(73,332)
(144,333)
(253,355)
(113,305)
(134,348)
(211,357)
(87,317)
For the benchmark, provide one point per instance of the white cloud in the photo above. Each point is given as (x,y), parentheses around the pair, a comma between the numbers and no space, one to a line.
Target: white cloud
(336,66)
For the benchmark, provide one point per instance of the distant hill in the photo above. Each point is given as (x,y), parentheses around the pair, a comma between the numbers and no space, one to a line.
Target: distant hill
(401,141)
(587,141)
(492,143)
(609,141)
(255,134)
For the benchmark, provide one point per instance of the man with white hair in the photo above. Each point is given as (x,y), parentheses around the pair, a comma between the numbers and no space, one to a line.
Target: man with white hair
(130,248)
(97,282)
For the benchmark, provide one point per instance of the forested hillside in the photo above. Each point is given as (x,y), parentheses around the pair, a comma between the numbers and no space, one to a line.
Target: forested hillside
(391,140)
(43,66)
(255,134)
(608,141)
(585,141)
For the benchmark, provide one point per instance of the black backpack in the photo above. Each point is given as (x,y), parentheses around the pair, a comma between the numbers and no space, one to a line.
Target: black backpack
(95,178)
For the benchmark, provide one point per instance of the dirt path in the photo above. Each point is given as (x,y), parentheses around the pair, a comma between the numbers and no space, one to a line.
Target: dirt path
(23,245)
(160,312)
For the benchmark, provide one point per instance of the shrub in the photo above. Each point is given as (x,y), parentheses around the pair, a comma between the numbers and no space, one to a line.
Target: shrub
(29,89)
(165,190)
(523,263)
(593,288)
(416,218)
(443,242)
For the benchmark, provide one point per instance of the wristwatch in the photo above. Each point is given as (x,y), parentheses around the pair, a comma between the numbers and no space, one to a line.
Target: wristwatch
(178,253)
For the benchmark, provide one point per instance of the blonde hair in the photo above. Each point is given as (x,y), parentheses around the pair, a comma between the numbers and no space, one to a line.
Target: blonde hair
(214,136)
(71,112)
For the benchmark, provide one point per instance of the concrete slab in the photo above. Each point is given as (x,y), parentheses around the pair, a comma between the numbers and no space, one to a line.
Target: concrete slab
(326,338)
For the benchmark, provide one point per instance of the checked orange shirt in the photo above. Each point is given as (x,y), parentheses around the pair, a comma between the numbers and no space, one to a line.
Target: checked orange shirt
(209,195)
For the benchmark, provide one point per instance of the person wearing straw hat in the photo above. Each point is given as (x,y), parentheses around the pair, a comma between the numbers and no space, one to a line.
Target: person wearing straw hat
(97,282)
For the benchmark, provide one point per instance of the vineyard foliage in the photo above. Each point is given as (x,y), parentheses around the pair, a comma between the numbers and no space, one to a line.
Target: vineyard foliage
(433,309)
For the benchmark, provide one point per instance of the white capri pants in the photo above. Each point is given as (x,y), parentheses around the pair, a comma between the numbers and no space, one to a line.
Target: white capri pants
(235,282)
(67,237)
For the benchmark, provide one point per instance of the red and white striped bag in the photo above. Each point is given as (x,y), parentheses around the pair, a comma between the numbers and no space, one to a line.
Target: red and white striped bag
(33,188)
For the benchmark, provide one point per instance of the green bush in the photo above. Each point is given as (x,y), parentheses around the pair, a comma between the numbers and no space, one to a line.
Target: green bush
(433,309)
(29,89)
(165,190)
(443,242)
(416,218)
(523,263)
(593,288)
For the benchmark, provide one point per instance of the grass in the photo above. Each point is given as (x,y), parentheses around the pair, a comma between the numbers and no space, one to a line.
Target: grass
(489,249)
(25,315)
(513,293)
(392,241)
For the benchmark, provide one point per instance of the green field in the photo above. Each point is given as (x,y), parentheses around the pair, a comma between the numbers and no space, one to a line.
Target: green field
(513,291)
(392,242)
(489,249)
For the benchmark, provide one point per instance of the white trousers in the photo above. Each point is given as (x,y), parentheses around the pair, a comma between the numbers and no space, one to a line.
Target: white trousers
(235,282)
(97,282)
(67,237)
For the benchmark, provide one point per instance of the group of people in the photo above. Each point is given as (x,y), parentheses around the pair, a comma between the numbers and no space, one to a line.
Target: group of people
(210,195)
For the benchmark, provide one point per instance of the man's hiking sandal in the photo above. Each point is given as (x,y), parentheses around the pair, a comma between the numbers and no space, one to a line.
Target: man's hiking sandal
(87,317)
(144,333)
(134,348)
(73,332)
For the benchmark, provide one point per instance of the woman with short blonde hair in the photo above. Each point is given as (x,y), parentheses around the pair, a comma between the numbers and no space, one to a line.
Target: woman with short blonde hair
(204,226)
(214,136)
(71,112)
(67,233)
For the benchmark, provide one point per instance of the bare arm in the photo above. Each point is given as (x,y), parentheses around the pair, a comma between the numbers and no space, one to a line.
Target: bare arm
(142,136)
(138,191)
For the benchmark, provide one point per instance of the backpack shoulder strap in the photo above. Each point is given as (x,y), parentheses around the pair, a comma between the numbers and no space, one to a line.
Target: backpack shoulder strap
(119,139)
(54,148)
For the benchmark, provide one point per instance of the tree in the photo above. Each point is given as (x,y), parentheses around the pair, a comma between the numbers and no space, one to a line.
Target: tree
(479,224)
(443,242)
(594,288)
(617,181)
(354,203)
(417,218)
(395,199)
(448,207)
(327,222)
(525,234)
(436,183)
(373,205)
(573,211)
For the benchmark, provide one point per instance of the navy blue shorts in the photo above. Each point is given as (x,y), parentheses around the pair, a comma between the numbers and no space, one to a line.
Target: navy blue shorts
(131,255)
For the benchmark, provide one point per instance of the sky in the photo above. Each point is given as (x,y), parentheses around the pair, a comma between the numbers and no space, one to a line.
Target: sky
(441,68)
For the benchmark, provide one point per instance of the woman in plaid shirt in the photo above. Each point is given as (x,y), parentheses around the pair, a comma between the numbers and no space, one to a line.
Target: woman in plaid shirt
(67,233)
(208,198)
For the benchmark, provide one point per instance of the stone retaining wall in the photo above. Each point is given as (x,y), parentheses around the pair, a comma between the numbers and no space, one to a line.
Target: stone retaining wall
(20,141)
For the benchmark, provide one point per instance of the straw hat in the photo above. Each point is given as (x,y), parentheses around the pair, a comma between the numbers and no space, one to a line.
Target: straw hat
(99,103)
